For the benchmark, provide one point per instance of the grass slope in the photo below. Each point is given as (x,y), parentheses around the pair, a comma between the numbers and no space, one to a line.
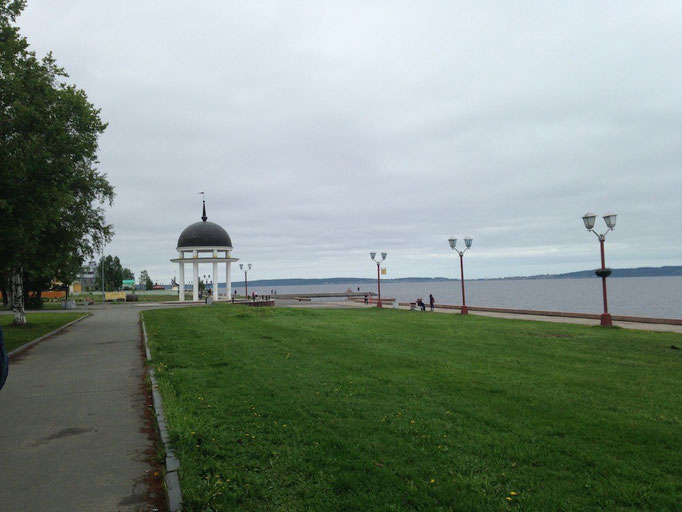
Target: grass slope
(39,324)
(293,409)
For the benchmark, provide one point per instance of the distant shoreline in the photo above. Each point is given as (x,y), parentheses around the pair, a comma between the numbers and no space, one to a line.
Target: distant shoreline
(667,271)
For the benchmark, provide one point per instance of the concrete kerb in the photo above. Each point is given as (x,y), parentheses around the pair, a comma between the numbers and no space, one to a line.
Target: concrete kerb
(28,345)
(173,489)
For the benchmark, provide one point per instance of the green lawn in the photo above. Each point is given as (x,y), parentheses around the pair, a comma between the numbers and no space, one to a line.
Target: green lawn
(294,409)
(39,324)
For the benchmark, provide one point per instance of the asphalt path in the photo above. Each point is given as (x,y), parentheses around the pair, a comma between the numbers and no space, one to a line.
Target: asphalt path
(72,420)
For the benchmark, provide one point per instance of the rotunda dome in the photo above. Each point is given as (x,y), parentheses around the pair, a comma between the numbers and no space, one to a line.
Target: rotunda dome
(204,234)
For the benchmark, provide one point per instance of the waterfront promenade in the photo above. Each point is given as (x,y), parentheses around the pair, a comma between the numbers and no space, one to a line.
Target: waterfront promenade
(645,326)
(74,434)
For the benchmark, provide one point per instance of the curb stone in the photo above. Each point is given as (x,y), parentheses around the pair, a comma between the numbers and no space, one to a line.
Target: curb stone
(173,489)
(28,345)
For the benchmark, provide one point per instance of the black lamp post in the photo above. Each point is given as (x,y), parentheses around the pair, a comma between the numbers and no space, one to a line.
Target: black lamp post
(378,262)
(246,281)
(467,242)
(603,272)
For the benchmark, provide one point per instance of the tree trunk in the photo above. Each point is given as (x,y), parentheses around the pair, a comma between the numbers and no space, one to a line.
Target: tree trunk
(16,286)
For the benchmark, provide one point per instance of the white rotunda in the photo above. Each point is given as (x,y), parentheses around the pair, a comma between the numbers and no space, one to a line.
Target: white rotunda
(204,242)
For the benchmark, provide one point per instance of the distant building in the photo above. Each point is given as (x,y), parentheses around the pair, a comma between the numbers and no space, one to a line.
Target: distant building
(85,280)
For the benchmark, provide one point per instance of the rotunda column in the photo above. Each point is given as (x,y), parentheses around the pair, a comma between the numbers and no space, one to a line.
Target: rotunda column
(228,278)
(215,281)
(195,285)
(181,276)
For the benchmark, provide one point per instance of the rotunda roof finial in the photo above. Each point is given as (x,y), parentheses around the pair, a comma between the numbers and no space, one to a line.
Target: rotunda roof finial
(203,217)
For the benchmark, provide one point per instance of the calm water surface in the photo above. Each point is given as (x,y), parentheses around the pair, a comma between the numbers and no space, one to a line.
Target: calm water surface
(638,296)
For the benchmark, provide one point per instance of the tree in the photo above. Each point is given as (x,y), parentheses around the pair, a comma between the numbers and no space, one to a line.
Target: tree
(51,193)
(146,281)
(114,273)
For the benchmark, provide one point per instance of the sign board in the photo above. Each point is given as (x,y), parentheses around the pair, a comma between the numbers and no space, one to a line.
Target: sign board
(383,271)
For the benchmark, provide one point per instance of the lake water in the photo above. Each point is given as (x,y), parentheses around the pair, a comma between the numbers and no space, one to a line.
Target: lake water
(637,296)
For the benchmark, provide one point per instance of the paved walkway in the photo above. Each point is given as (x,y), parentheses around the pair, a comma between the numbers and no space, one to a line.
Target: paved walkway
(641,326)
(72,425)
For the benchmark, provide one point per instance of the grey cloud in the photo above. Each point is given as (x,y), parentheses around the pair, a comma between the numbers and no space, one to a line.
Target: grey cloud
(321,131)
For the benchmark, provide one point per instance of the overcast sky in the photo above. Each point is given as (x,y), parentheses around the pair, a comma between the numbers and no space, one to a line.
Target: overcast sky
(321,131)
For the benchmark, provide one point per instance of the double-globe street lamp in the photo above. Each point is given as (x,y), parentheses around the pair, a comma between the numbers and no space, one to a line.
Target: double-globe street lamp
(246,281)
(467,242)
(603,272)
(378,262)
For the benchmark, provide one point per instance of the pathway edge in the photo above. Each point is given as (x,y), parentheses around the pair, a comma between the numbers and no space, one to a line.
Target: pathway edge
(173,489)
(560,314)
(28,345)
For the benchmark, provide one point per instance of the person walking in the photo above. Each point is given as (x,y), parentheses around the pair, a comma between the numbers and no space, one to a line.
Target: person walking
(431,301)
(366,300)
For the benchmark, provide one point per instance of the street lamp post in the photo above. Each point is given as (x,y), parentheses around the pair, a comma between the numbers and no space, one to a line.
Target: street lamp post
(378,262)
(603,272)
(246,281)
(102,265)
(467,242)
